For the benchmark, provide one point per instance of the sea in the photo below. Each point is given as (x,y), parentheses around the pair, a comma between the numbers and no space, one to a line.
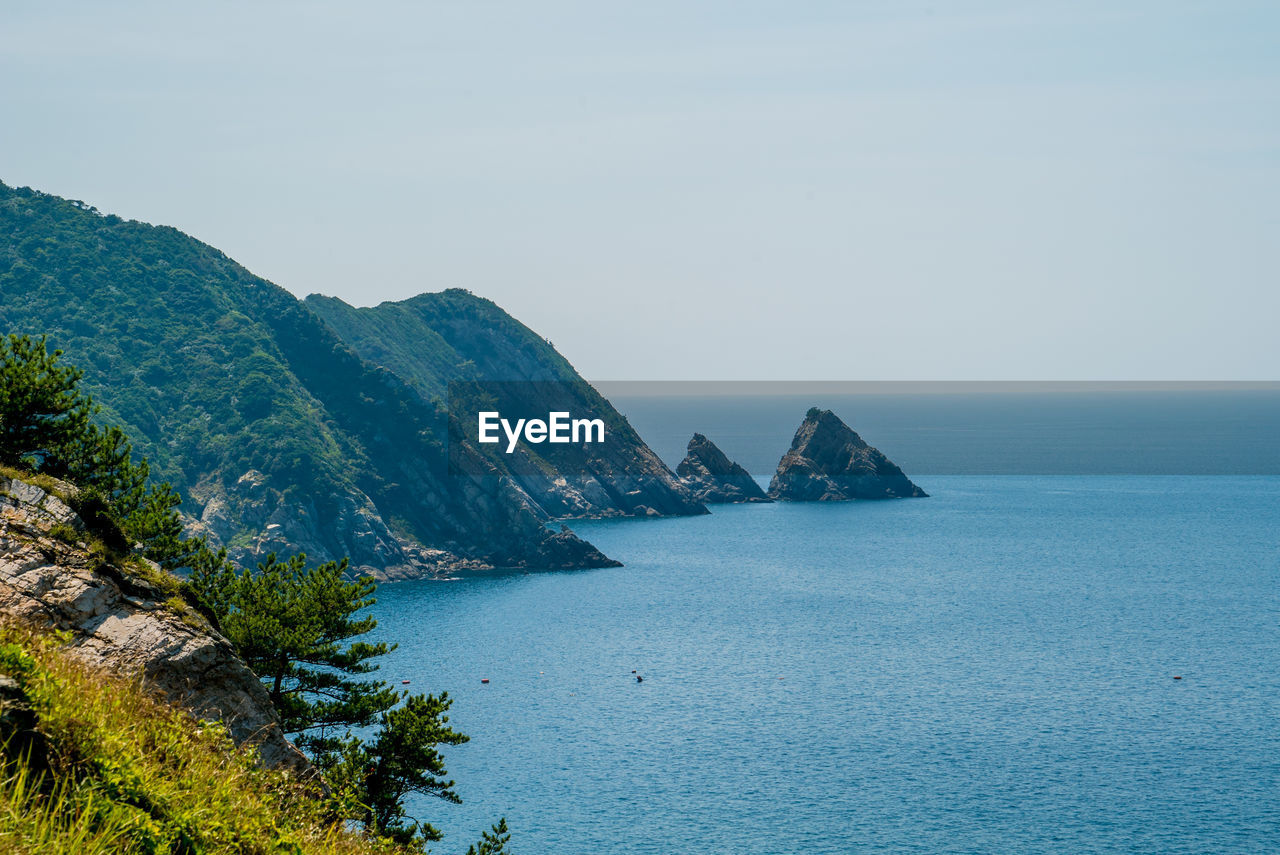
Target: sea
(1073,645)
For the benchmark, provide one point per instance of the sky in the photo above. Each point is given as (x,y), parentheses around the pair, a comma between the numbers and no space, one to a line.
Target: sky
(715,191)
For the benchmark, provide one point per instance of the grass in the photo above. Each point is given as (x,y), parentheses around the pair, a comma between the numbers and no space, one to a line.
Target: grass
(35,819)
(66,533)
(60,489)
(122,772)
(156,577)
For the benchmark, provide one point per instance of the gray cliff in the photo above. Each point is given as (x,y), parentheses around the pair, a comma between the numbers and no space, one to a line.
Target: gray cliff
(713,478)
(829,462)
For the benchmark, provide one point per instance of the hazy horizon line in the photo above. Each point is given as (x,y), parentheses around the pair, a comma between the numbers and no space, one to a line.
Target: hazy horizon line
(725,388)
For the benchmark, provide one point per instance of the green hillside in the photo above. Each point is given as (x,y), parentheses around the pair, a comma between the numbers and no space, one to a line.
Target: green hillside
(433,339)
(280,437)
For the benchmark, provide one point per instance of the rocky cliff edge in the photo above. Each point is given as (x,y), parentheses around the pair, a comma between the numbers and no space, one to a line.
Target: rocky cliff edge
(121,620)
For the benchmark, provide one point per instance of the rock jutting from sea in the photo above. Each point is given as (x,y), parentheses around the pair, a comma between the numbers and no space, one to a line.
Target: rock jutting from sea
(829,462)
(713,478)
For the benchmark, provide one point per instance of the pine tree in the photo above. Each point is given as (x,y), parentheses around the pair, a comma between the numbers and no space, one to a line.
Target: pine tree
(46,426)
(403,759)
(492,842)
(41,412)
(293,626)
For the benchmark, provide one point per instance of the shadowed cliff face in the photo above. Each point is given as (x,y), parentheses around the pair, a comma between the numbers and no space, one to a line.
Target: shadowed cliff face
(828,462)
(124,623)
(453,346)
(713,478)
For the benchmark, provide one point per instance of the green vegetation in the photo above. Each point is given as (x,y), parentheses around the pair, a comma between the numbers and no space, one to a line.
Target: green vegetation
(214,372)
(454,346)
(293,625)
(455,337)
(492,842)
(290,624)
(46,428)
(373,778)
(48,483)
(38,817)
(42,417)
(163,325)
(106,768)
(210,370)
(93,764)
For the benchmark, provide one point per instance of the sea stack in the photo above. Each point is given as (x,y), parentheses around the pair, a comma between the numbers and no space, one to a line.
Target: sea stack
(713,478)
(828,462)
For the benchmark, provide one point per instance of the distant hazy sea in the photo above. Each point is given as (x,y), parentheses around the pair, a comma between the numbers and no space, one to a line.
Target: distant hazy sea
(987,670)
(1161,430)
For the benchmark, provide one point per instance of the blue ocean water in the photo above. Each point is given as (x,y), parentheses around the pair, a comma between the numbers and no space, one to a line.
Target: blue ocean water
(987,670)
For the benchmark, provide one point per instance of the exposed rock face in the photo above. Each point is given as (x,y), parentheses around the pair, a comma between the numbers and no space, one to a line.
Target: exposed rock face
(123,623)
(715,479)
(286,524)
(828,462)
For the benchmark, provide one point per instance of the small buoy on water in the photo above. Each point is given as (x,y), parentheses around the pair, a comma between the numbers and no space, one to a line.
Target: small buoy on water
(633,670)
(484,679)
(1176,677)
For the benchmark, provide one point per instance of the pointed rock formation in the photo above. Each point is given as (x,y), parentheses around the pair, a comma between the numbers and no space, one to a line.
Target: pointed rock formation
(828,462)
(713,478)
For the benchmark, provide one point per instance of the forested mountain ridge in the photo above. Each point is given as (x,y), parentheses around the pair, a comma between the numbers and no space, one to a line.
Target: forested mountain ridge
(454,347)
(278,435)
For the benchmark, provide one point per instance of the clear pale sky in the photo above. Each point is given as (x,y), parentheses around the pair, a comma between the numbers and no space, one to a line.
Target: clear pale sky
(716,190)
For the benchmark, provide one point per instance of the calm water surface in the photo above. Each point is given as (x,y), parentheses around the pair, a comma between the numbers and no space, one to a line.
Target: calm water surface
(987,670)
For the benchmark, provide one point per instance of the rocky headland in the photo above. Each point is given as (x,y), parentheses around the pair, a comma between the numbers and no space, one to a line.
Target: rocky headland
(317,427)
(712,478)
(829,462)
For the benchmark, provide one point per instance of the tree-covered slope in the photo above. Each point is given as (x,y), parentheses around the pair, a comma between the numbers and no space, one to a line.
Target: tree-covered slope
(279,435)
(456,348)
